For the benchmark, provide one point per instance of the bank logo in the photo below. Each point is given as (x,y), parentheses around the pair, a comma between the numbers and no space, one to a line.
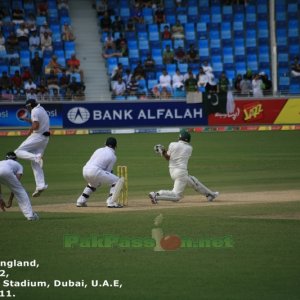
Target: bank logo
(78,115)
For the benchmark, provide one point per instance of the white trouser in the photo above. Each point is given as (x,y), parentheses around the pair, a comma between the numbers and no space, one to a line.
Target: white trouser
(11,181)
(96,177)
(35,144)
(180,178)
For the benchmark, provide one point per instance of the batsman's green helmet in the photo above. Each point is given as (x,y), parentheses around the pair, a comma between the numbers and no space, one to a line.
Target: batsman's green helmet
(184,135)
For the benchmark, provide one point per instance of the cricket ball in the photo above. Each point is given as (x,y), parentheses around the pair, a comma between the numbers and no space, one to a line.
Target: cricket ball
(170,242)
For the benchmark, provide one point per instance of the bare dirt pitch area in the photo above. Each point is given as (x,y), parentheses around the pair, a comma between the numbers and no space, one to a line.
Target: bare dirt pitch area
(188,201)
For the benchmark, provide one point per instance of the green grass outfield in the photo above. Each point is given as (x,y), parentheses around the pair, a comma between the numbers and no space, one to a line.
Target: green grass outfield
(261,262)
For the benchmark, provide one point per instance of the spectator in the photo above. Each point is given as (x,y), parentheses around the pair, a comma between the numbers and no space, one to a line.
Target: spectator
(168,55)
(245,85)
(101,7)
(191,82)
(55,95)
(62,4)
(5,83)
(137,13)
(165,80)
(29,85)
(257,86)
(177,80)
(42,91)
(54,66)
(132,87)
(2,41)
(76,89)
(46,42)
(117,25)
(295,72)
(166,34)
(192,54)
(202,80)
(17,83)
(188,73)
(74,66)
(177,31)
(31,94)
(267,84)
(119,87)
(117,72)
(26,74)
(127,76)
(223,84)
(18,15)
(208,70)
(180,56)
(211,86)
(12,43)
(42,9)
(22,33)
(120,41)
(34,42)
(139,70)
(165,93)
(31,23)
(67,33)
(105,22)
(130,25)
(52,81)
(110,52)
(159,15)
(124,50)
(109,42)
(237,84)
(45,28)
(64,82)
(149,63)
(37,66)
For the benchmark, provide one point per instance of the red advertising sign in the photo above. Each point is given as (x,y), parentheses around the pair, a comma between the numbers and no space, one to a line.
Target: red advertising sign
(249,112)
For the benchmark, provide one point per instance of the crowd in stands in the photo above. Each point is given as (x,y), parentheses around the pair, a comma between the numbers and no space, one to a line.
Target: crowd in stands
(179,69)
(37,52)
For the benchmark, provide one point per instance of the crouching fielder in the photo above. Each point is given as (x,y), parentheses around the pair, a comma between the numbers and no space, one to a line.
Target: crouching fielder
(178,155)
(98,171)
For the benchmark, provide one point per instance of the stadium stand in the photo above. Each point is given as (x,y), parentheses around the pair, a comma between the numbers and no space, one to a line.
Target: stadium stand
(37,51)
(233,37)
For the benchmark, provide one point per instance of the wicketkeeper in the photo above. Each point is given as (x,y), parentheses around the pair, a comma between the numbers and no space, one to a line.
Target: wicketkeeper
(98,171)
(178,155)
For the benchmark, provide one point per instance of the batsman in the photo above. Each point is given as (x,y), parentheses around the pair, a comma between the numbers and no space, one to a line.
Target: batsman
(178,155)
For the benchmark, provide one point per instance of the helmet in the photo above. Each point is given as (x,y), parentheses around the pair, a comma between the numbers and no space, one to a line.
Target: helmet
(11,155)
(31,103)
(184,135)
(111,141)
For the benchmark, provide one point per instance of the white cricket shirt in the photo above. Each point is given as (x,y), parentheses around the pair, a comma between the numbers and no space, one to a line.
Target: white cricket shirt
(40,115)
(180,153)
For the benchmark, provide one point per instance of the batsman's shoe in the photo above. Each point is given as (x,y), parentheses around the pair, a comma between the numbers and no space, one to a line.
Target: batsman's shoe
(34,217)
(114,205)
(152,197)
(212,197)
(81,204)
(38,192)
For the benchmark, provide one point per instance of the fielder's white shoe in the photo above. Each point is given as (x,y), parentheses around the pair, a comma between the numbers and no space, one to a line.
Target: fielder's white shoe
(81,204)
(39,160)
(38,192)
(114,205)
(212,197)
(152,197)
(34,217)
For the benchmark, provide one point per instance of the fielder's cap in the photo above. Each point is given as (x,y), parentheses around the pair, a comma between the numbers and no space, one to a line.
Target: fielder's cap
(184,135)
(111,141)
(31,103)
(11,155)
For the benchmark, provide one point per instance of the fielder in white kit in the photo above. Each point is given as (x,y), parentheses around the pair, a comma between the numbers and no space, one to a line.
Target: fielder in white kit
(178,155)
(98,171)
(34,146)
(10,174)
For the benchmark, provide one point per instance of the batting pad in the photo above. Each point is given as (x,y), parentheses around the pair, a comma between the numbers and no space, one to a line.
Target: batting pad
(117,189)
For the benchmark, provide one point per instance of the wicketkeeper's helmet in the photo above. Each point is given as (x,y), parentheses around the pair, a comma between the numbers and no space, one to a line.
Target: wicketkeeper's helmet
(11,155)
(111,141)
(184,135)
